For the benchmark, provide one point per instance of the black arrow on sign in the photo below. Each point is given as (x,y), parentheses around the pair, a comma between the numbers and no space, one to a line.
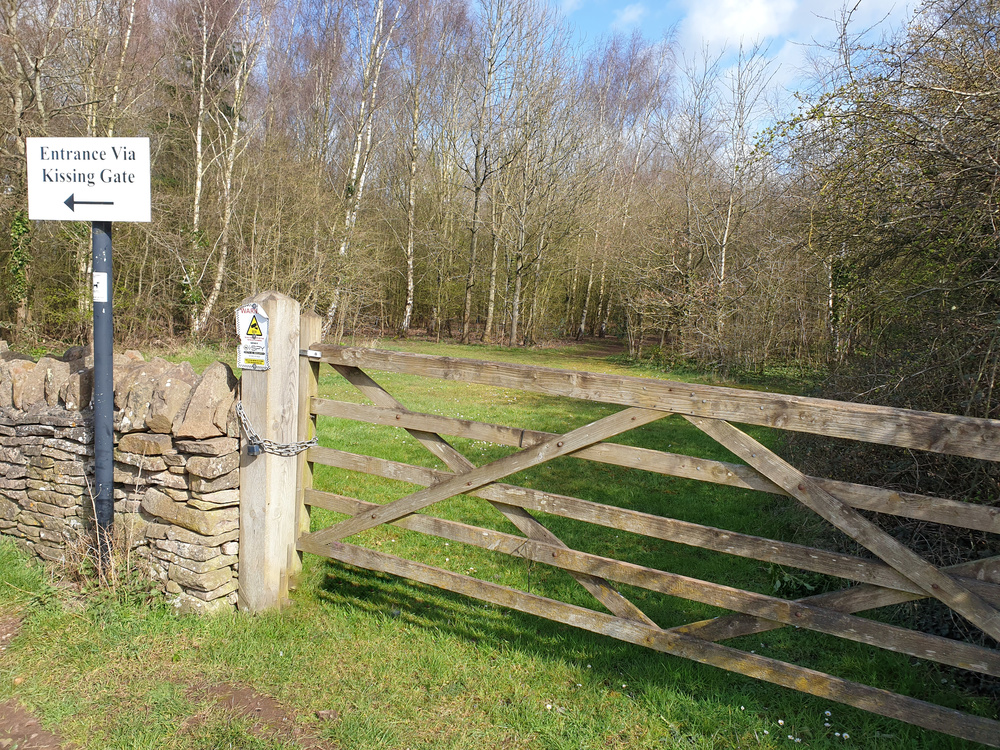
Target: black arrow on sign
(71,202)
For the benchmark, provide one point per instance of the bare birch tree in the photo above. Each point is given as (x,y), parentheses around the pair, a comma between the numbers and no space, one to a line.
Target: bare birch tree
(489,92)
(433,32)
(218,45)
(373,34)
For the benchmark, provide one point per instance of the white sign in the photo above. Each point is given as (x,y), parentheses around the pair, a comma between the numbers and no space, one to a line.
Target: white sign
(100,286)
(88,179)
(251,325)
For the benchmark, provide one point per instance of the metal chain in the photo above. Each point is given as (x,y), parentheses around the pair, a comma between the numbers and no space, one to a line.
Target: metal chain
(278,449)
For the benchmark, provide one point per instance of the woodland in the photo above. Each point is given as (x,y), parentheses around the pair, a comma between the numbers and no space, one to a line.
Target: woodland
(466,169)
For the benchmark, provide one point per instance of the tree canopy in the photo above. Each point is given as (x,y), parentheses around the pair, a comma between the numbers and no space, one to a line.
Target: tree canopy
(458,167)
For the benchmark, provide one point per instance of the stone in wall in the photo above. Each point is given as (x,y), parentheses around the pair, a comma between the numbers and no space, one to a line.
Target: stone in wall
(211,447)
(56,374)
(78,390)
(228,481)
(26,386)
(8,513)
(142,462)
(213,467)
(176,467)
(138,386)
(207,412)
(146,444)
(206,523)
(186,604)
(212,500)
(76,353)
(170,397)
(179,534)
(6,386)
(196,554)
(208,583)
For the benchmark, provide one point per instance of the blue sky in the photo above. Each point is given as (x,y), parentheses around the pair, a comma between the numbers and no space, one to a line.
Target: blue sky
(787,27)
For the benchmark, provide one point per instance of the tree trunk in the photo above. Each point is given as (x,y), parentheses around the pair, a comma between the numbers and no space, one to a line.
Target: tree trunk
(515,312)
(581,330)
(602,300)
(574,286)
(190,283)
(364,130)
(491,296)
(470,278)
(530,336)
(411,217)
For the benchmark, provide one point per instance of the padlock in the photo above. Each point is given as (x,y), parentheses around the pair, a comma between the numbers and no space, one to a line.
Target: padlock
(254,449)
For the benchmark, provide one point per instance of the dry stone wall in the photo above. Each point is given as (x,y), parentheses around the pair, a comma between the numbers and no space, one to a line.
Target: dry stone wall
(176,467)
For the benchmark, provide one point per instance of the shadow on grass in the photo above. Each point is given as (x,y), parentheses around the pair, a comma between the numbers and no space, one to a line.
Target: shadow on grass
(657,680)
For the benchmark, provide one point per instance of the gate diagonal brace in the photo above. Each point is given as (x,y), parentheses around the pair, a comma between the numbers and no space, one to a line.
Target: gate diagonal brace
(800,614)
(849,601)
(801,679)
(558,446)
(491,472)
(521,518)
(934,582)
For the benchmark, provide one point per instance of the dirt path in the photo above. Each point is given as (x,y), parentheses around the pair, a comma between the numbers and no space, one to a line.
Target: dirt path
(18,728)
(271,720)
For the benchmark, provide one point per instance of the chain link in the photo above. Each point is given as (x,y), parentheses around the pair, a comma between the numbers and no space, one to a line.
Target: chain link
(278,449)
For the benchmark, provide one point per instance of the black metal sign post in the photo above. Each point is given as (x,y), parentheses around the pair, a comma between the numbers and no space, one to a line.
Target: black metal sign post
(110,182)
(104,396)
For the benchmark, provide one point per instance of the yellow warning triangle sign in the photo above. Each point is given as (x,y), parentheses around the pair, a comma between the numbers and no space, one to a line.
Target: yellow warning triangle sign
(254,328)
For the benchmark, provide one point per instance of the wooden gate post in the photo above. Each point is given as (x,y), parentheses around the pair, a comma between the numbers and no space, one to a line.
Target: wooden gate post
(310,334)
(267,481)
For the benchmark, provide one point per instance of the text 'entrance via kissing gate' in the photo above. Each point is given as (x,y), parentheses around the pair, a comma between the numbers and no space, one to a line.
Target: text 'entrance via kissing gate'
(894,575)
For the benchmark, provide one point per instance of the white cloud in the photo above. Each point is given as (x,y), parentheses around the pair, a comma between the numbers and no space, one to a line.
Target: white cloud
(787,28)
(630,15)
(721,22)
(718,22)
(790,30)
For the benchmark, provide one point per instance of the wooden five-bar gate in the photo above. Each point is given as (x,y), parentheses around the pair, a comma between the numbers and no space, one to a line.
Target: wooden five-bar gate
(895,574)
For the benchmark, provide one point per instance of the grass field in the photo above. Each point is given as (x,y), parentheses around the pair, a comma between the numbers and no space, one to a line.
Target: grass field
(407,666)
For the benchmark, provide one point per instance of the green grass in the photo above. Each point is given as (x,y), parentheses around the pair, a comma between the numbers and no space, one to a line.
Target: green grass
(409,666)
(22,584)
(199,357)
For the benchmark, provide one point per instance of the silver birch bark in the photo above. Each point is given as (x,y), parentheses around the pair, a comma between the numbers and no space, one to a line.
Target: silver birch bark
(372,53)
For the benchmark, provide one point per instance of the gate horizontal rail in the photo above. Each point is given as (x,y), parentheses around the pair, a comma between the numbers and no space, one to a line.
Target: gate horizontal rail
(894,575)
(939,433)
(890,502)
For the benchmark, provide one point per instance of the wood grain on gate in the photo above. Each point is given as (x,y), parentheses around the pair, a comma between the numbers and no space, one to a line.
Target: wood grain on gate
(896,575)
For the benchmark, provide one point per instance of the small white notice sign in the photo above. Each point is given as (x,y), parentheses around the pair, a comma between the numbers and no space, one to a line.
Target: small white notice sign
(100,286)
(251,325)
(88,179)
